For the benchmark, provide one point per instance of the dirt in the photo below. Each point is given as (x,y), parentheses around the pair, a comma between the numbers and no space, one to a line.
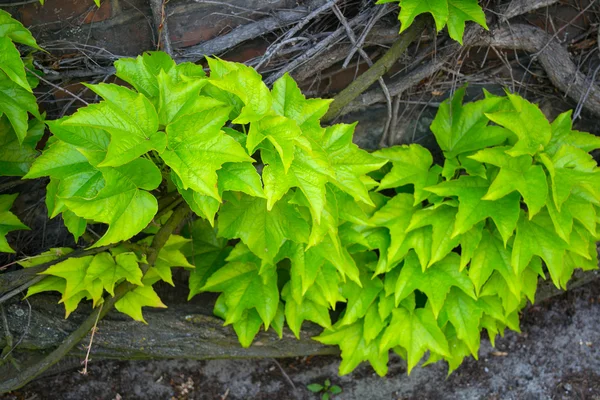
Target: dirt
(556,356)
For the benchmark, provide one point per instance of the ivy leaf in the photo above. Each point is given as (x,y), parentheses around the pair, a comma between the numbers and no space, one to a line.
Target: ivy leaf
(354,347)
(14,30)
(15,103)
(74,271)
(516,174)
(563,134)
(16,158)
(395,215)
(240,177)
(171,256)
(179,98)
(121,204)
(435,281)
(309,172)
(112,270)
(411,165)
(281,132)
(198,148)
(441,220)
(461,11)
(360,298)
(133,301)
(473,208)
(526,121)
(410,9)
(11,63)
(142,72)
(82,137)
(416,332)
(288,101)
(349,162)
(309,308)
(8,221)
(74,224)
(538,237)
(245,83)
(464,313)
(263,231)
(247,327)
(244,288)
(60,160)
(462,128)
(490,256)
(128,117)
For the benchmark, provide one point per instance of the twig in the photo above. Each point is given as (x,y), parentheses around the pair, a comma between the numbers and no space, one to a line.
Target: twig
(89,347)
(59,88)
(271,51)
(519,7)
(361,40)
(378,69)
(287,377)
(163,41)
(367,59)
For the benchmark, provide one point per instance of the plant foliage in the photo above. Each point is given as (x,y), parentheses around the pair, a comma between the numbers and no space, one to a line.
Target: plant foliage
(295,221)
(451,13)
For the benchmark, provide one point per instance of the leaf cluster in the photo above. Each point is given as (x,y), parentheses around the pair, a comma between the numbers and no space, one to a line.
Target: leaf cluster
(385,251)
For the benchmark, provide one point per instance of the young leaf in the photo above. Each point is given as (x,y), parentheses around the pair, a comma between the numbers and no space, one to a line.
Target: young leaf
(15,103)
(15,31)
(435,281)
(11,63)
(360,298)
(416,332)
(16,158)
(355,348)
(263,231)
(130,119)
(121,203)
(472,208)
(198,148)
(247,327)
(112,270)
(133,301)
(462,128)
(464,313)
(74,271)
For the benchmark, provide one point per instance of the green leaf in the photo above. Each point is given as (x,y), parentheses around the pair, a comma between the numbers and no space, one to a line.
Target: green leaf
(121,204)
(416,332)
(309,172)
(15,103)
(60,160)
(462,128)
(74,224)
(355,348)
(288,101)
(349,162)
(563,134)
(435,282)
(490,256)
(247,327)
(461,11)
(11,63)
(410,9)
(538,237)
(14,30)
(142,72)
(263,231)
(395,215)
(314,387)
(410,166)
(464,313)
(240,177)
(16,158)
(245,83)
(130,119)
(74,271)
(133,301)
(473,208)
(245,288)
(360,298)
(526,121)
(441,220)
(198,148)
(281,132)
(111,270)
(8,221)
(516,174)
(171,256)
(82,137)
(310,308)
